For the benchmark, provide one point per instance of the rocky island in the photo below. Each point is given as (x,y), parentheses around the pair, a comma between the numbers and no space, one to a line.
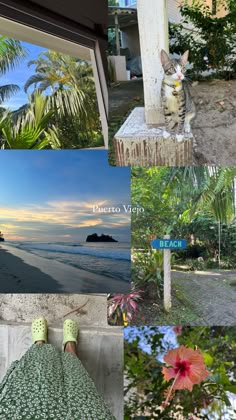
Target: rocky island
(1,237)
(102,238)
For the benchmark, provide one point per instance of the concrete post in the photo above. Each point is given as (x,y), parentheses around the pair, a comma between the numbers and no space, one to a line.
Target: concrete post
(153,30)
(117,35)
(167,277)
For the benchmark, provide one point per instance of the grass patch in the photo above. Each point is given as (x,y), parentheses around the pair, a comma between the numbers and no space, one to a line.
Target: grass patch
(152,313)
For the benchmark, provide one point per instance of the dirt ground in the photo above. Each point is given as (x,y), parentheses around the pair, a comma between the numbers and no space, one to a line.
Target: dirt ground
(214,127)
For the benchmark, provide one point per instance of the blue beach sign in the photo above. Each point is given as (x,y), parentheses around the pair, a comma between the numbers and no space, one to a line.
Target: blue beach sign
(169,243)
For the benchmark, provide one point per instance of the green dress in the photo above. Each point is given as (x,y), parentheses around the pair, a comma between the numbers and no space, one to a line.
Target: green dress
(48,384)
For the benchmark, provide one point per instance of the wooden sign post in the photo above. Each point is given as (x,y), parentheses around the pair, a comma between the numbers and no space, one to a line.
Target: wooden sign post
(166,244)
(167,277)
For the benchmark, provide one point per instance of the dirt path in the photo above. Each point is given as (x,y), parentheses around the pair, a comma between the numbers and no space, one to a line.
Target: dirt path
(215,124)
(121,94)
(210,294)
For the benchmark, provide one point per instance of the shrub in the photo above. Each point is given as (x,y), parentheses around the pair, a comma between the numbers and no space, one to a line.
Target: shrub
(148,270)
(211,41)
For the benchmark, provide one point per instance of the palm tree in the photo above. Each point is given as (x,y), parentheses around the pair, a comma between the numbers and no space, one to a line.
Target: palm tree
(212,188)
(32,130)
(209,186)
(68,82)
(11,53)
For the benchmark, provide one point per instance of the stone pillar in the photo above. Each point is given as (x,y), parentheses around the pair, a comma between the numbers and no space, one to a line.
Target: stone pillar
(153,30)
(117,35)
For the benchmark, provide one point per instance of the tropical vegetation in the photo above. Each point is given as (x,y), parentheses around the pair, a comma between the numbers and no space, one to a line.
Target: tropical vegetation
(208,392)
(193,203)
(62,107)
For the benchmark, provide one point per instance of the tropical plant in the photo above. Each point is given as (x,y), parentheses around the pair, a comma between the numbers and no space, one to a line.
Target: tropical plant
(148,272)
(69,85)
(122,307)
(32,129)
(11,54)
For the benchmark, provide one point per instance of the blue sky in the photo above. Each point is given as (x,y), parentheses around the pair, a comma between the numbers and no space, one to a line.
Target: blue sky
(20,75)
(169,338)
(49,195)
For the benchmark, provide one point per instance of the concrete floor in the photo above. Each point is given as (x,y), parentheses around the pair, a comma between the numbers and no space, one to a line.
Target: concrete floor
(24,308)
(100,346)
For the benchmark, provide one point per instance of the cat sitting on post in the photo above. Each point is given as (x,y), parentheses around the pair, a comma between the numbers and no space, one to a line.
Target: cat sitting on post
(179,108)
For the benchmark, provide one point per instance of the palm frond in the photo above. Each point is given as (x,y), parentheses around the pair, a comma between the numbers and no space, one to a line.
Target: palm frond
(33,80)
(7,91)
(11,54)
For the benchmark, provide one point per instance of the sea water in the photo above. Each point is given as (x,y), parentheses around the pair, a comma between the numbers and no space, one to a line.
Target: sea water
(111,259)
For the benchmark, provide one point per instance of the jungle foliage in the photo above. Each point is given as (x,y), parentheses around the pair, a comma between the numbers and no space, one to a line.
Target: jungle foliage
(62,109)
(193,203)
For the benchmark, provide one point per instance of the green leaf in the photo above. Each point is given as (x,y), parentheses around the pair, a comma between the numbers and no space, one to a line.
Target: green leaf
(208,359)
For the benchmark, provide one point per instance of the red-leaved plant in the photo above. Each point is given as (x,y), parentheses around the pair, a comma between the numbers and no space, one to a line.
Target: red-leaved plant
(123,306)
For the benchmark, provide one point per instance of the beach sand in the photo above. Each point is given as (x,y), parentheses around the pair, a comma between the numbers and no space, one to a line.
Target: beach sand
(24,272)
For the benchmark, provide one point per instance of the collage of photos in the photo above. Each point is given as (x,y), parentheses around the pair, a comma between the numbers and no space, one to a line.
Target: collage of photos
(118,210)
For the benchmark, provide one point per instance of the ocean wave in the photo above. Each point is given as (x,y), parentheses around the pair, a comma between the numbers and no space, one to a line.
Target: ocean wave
(113,254)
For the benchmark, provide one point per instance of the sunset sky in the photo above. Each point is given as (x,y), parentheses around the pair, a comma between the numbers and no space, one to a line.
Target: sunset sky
(49,195)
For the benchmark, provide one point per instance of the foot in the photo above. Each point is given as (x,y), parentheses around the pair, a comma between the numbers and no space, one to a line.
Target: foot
(70,333)
(70,347)
(39,330)
(179,137)
(166,134)
(187,128)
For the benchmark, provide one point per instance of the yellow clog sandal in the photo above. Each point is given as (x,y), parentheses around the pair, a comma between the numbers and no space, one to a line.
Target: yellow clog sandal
(39,330)
(70,332)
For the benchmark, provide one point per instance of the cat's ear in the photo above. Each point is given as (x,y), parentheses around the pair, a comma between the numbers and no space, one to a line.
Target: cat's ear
(184,58)
(164,58)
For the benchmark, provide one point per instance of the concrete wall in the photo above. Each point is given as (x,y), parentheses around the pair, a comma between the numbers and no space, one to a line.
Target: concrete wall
(173,11)
(130,39)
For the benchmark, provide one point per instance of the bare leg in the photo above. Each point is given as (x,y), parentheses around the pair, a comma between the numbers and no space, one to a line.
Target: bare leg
(40,342)
(70,347)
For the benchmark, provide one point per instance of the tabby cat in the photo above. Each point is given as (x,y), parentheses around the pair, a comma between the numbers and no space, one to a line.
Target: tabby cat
(179,108)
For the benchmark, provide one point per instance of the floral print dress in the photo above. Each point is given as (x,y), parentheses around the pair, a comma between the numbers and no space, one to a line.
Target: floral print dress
(48,384)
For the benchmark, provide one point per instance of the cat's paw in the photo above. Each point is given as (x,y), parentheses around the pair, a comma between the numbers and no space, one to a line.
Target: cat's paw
(179,137)
(166,134)
(187,128)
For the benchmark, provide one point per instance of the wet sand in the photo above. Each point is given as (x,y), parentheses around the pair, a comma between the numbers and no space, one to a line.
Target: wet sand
(23,272)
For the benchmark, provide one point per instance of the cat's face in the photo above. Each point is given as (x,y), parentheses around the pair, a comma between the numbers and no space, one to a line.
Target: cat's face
(174,69)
